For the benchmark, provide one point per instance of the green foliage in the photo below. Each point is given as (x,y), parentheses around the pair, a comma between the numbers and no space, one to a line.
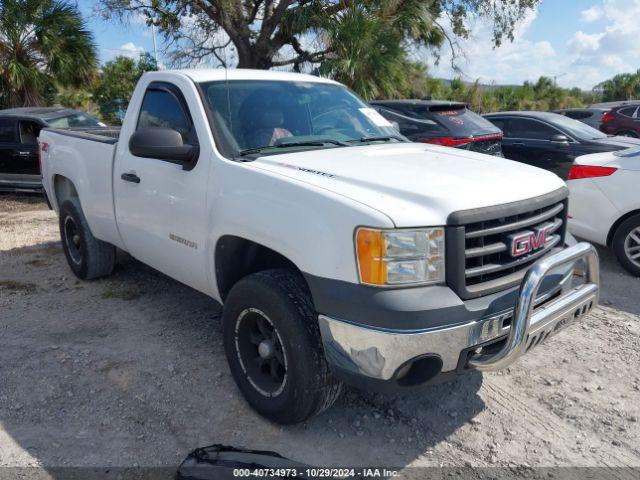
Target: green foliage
(541,95)
(117,81)
(367,45)
(625,86)
(266,34)
(43,43)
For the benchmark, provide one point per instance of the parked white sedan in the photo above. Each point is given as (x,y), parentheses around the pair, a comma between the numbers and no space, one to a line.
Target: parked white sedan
(604,205)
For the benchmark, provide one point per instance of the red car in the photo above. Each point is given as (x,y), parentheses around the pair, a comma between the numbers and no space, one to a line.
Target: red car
(622,120)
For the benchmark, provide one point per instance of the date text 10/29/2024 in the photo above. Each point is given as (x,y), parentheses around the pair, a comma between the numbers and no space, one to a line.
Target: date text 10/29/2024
(314,473)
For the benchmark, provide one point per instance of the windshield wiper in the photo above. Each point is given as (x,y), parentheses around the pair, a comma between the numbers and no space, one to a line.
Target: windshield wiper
(302,143)
(384,138)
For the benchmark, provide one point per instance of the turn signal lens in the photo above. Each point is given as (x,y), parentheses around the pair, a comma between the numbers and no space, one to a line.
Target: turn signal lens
(400,257)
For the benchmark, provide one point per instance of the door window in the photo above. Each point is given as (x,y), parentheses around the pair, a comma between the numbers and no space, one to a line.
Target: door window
(29,132)
(162,107)
(7,131)
(530,129)
(628,112)
(501,124)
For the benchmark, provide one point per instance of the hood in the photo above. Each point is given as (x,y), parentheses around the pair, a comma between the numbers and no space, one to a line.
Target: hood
(622,142)
(412,183)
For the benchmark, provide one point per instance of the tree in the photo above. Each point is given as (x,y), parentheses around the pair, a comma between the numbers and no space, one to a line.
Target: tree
(270,33)
(42,43)
(625,86)
(367,46)
(117,82)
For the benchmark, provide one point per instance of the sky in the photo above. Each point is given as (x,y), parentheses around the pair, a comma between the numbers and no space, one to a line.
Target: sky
(579,42)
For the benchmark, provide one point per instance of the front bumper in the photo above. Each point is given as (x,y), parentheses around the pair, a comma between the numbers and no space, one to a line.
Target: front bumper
(485,344)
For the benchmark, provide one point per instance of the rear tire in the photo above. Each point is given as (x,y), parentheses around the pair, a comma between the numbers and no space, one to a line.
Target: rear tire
(87,256)
(273,346)
(626,244)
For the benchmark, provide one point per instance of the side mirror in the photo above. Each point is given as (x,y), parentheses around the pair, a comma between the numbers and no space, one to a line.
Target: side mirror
(562,139)
(163,144)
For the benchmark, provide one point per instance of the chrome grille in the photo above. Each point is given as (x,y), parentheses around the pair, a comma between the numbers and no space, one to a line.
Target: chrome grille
(479,258)
(487,244)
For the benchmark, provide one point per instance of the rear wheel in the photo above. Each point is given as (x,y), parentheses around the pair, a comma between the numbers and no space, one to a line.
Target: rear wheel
(626,244)
(273,346)
(87,256)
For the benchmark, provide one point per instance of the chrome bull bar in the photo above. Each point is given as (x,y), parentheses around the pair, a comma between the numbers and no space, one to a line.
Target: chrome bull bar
(528,327)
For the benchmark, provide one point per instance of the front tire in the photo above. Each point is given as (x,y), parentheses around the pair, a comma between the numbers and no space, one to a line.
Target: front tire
(87,256)
(273,346)
(626,244)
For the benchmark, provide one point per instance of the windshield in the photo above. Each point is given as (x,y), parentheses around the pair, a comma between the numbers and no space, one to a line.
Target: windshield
(251,116)
(577,129)
(75,120)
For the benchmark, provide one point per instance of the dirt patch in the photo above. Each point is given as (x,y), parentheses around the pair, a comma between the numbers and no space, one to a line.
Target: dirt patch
(16,286)
(131,370)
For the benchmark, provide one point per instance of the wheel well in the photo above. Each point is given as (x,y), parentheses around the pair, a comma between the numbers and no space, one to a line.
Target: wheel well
(617,223)
(64,189)
(238,257)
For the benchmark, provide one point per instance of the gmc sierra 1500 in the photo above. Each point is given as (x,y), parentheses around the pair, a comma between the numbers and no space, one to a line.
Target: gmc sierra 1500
(340,251)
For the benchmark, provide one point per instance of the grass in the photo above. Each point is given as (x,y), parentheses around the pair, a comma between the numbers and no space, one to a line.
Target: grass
(36,262)
(16,286)
(120,294)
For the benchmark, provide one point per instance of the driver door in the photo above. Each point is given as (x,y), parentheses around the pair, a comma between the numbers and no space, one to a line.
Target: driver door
(531,141)
(161,205)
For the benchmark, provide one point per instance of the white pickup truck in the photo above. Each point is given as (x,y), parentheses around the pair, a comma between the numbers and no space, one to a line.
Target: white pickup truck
(340,251)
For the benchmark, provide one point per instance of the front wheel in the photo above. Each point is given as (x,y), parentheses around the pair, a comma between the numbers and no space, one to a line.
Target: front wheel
(273,346)
(626,244)
(87,256)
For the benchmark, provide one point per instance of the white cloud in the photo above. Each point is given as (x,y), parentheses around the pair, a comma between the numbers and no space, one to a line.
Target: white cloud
(131,50)
(584,42)
(590,56)
(614,49)
(511,63)
(128,49)
(592,14)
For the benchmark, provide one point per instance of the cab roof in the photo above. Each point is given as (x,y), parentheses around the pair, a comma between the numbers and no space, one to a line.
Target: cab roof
(213,74)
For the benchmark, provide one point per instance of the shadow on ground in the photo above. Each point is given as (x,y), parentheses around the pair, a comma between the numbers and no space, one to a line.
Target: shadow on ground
(130,371)
(615,284)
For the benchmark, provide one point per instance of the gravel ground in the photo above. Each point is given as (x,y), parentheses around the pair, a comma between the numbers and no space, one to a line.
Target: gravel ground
(130,370)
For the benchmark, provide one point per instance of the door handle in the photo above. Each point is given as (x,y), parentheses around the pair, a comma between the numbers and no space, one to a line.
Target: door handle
(130,177)
(24,154)
(517,144)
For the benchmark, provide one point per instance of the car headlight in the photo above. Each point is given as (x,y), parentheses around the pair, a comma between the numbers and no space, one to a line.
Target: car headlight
(400,257)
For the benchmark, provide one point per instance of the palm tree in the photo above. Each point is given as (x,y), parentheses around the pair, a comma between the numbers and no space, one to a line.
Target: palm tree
(42,43)
(369,40)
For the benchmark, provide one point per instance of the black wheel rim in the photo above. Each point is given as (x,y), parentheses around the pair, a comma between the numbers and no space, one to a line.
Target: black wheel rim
(72,240)
(260,352)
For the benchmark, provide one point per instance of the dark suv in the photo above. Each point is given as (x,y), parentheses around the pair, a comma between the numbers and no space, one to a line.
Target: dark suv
(450,124)
(623,120)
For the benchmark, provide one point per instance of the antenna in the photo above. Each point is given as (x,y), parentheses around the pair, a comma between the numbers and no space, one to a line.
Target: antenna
(155,49)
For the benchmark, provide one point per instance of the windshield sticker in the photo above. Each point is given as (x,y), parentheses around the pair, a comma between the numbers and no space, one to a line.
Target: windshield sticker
(377,119)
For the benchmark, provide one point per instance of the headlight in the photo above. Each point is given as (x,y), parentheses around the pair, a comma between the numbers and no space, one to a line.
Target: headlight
(400,257)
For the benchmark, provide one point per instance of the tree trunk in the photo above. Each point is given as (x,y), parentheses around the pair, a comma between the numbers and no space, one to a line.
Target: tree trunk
(249,56)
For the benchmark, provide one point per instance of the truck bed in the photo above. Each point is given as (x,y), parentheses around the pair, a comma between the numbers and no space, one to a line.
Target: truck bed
(85,158)
(104,135)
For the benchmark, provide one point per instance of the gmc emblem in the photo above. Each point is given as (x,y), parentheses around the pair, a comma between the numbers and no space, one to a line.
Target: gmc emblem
(522,243)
